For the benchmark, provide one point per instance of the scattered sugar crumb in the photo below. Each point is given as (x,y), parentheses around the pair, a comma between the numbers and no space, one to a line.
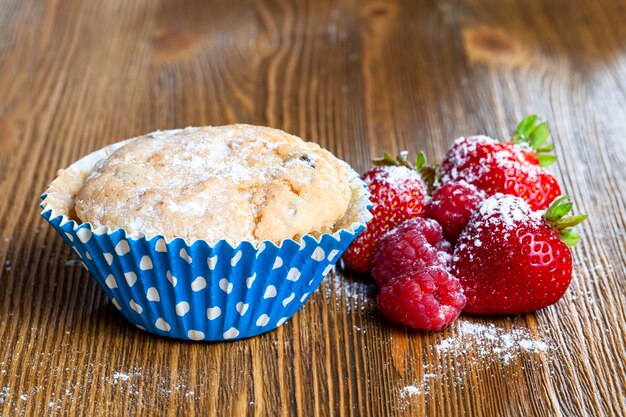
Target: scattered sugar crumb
(410,390)
(490,341)
(357,294)
(120,376)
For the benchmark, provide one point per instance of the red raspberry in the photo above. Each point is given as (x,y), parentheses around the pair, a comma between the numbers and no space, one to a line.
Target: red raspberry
(415,244)
(452,206)
(429,299)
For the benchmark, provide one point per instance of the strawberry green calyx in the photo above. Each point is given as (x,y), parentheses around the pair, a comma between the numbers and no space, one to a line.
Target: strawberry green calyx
(428,172)
(556,217)
(536,135)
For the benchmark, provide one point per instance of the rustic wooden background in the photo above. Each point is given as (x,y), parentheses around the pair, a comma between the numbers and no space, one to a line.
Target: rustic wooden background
(357,77)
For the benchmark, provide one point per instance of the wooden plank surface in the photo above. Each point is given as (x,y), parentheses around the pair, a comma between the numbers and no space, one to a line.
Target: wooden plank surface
(358,77)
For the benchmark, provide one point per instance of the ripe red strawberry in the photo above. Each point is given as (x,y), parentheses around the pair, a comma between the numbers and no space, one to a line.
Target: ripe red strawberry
(398,193)
(469,154)
(514,167)
(511,259)
(452,205)
(415,244)
(531,182)
(430,299)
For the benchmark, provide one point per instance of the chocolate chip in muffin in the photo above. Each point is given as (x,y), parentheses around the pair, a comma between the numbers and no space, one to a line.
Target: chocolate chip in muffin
(306,159)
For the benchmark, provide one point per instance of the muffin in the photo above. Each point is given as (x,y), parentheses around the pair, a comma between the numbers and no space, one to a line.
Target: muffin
(208,233)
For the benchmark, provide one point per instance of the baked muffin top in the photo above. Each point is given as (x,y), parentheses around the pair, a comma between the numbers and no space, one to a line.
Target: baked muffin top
(235,182)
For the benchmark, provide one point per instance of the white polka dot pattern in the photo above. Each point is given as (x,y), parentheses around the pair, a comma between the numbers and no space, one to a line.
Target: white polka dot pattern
(162,325)
(198,284)
(182,308)
(231,333)
(270,292)
(235,259)
(138,309)
(293,274)
(195,334)
(263,320)
(153,295)
(185,256)
(110,281)
(199,292)
(131,278)
(226,286)
(160,246)
(171,278)
(213,312)
(250,280)
(278,262)
(84,234)
(289,299)
(318,254)
(211,262)
(241,308)
(145,264)
(122,248)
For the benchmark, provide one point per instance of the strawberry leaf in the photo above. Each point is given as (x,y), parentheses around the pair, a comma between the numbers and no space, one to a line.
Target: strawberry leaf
(385,160)
(525,127)
(570,221)
(545,160)
(536,137)
(554,212)
(539,135)
(428,172)
(420,162)
(561,210)
(569,237)
(548,147)
(556,217)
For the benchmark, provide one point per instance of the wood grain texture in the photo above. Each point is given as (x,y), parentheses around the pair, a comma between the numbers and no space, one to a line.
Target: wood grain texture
(358,77)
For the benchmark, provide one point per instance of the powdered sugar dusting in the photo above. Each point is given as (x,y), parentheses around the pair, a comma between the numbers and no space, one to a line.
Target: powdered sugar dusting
(400,178)
(470,158)
(472,346)
(501,213)
(356,293)
(270,186)
(491,342)
(410,390)
(506,210)
(458,156)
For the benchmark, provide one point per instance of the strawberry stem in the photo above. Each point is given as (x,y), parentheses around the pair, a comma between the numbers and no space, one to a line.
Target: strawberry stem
(556,217)
(428,172)
(536,136)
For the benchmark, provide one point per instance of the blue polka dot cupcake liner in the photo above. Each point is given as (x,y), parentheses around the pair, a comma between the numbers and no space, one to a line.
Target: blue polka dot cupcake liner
(198,291)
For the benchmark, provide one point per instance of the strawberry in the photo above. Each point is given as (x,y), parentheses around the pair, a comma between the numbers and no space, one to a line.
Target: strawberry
(515,167)
(398,193)
(531,182)
(511,259)
(467,155)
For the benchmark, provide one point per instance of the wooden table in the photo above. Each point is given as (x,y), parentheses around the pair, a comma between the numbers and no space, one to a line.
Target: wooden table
(358,77)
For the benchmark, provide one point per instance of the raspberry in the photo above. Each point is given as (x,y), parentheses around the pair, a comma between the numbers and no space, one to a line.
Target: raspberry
(452,206)
(415,244)
(429,299)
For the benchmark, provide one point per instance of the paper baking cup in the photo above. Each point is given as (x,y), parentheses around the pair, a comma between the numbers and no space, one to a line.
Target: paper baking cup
(198,291)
